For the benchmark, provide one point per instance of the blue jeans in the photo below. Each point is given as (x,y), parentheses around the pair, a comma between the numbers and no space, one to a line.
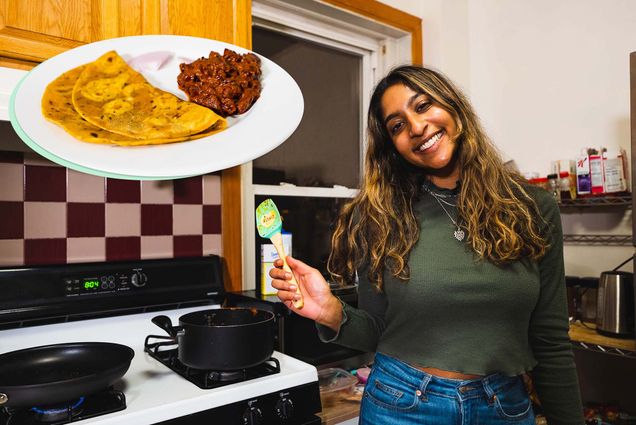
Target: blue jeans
(397,393)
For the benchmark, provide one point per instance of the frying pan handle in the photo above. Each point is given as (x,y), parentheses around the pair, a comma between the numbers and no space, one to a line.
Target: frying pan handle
(165,323)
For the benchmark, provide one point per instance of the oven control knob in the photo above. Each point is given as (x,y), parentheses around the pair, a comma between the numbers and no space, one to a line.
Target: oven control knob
(139,279)
(284,408)
(252,416)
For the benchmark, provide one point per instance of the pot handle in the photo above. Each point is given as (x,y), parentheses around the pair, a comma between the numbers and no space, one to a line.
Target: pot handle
(165,323)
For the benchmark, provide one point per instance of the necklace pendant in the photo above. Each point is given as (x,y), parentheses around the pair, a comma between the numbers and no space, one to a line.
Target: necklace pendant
(459,234)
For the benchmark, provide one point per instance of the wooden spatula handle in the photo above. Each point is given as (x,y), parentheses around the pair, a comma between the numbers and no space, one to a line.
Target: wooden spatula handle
(277,240)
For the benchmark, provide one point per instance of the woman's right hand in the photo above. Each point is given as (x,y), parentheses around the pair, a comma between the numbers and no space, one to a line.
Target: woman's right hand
(319,303)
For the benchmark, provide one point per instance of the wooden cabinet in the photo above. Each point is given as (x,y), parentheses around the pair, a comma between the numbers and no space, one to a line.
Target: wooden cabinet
(32,31)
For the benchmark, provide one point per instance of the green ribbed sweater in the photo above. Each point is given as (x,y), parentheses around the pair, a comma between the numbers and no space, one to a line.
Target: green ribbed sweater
(463,314)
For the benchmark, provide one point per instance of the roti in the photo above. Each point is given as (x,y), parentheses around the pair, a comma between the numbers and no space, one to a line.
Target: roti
(113,96)
(57,107)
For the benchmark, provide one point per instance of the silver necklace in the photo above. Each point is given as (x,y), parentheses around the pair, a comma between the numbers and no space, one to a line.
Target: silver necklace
(458,233)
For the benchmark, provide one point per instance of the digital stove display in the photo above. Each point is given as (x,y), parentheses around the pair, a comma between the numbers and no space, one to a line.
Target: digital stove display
(104,283)
(107,401)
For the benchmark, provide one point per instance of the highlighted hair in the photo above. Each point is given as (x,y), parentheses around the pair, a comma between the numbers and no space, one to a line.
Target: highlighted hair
(378,228)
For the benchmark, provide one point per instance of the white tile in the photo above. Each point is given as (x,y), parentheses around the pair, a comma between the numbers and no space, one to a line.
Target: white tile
(157,247)
(157,192)
(44,220)
(212,244)
(123,220)
(11,182)
(11,252)
(85,249)
(211,189)
(82,187)
(187,219)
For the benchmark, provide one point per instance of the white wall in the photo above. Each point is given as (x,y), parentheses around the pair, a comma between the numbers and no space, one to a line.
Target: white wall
(444,34)
(550,77)
(547,78)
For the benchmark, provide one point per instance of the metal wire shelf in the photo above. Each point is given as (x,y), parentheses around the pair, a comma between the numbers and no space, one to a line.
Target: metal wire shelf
(599,201)
(605,240)
(603,349)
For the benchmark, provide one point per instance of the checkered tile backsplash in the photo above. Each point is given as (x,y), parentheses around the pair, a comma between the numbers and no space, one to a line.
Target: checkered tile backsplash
(52,215)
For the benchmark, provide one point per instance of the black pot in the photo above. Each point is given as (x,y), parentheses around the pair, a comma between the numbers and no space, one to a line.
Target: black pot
(222,339)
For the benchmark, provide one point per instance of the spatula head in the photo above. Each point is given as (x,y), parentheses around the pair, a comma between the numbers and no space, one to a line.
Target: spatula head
(268,220)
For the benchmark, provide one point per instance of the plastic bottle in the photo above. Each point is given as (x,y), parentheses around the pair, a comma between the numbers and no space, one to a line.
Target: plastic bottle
(596,173)
(553,184)
(566,187)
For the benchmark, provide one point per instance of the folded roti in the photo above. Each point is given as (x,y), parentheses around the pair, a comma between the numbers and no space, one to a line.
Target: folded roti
(57,107)
(113,96)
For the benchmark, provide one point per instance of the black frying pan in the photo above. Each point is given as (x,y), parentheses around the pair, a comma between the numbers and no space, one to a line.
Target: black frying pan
(61,372)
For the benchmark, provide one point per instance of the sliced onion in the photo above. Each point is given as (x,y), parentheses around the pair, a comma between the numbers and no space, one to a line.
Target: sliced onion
(152,61)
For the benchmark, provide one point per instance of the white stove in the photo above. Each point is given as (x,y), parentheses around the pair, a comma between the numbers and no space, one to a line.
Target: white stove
(154,393)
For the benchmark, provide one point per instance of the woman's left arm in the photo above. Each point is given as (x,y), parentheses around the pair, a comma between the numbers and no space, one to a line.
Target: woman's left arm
(554,376)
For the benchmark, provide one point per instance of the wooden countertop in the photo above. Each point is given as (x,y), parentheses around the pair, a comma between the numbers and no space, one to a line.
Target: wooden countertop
(587,334)
(340,409)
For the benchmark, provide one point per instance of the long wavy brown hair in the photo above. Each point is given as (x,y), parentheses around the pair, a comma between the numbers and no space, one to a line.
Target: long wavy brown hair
(378,228)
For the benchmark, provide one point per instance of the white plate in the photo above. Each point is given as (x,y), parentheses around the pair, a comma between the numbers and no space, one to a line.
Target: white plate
(268,123)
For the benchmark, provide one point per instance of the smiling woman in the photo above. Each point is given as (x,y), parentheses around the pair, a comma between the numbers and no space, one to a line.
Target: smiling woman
(460,265)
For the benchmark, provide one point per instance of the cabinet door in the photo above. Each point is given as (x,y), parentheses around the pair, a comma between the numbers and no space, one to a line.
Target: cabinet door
(32,31)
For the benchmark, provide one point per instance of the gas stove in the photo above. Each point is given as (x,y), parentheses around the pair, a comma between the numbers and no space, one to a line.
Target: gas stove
(156,389)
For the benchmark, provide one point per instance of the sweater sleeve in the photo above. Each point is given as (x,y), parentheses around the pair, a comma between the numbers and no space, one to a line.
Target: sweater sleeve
(554,375)
(360,327)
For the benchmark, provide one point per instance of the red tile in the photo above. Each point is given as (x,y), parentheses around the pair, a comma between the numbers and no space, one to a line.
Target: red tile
(44,183)
(124,248)
(85,219)
(156,219)
(12,222)
(188,246)
(45,251)
(123,191)
(211,219)
(188,191)
(11,157)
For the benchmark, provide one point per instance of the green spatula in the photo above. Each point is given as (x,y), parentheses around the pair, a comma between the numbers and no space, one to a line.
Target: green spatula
(269,225)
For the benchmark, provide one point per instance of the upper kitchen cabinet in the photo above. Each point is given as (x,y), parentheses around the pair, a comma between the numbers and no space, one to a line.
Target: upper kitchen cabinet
(32,31)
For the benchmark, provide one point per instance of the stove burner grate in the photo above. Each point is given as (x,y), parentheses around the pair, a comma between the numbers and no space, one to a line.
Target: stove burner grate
(107,401)
(202,378)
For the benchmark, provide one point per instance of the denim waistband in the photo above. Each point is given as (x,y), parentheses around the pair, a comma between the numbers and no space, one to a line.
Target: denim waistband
(469,388)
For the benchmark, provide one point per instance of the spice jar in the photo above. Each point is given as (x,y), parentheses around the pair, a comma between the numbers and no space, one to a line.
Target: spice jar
(567,186)
(541,182)
(553,186)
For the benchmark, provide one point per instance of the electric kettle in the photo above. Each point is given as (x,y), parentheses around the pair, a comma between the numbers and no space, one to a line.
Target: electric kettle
(615,304)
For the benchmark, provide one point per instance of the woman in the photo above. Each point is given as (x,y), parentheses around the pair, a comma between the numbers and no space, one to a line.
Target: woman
(460,267)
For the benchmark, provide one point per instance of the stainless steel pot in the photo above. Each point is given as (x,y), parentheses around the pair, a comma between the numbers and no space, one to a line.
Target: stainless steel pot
(615,304)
